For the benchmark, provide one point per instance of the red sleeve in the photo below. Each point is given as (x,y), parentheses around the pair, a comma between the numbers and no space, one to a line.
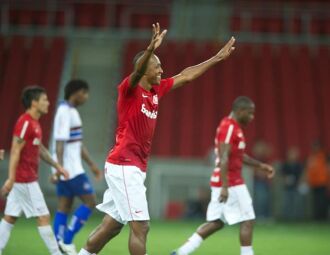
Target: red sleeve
(124,87)
(22,129)
(165,86)
(226,133)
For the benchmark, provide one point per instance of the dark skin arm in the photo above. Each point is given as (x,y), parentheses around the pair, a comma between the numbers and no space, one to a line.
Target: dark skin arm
(223,154)
(2,154)
(142,63)
(268,169)
(45,156)
(193,72)
(93,167)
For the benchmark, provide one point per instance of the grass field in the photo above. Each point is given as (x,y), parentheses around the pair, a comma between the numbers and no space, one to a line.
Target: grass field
(271,239)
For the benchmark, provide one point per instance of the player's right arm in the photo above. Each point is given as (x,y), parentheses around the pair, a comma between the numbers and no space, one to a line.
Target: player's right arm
(15,154)
(223,154)
(142,63)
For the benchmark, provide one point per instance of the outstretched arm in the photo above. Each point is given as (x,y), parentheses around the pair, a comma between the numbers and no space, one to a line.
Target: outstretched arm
(268,169)
(2,154)
(193,72)
(142,63)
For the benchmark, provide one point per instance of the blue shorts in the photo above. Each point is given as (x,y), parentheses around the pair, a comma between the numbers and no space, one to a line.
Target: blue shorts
(79,185)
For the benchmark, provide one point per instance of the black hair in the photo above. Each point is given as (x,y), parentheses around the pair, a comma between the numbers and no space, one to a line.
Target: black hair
(31,93)
(73,86)
(242,102)
(137,56)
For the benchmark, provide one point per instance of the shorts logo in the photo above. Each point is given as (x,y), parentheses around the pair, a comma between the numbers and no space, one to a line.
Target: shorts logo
(149,114)
(87,186)
(138,211)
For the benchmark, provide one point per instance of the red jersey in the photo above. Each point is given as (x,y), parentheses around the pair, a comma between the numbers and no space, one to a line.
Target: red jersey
(29,130)
(229,132)
(137,111)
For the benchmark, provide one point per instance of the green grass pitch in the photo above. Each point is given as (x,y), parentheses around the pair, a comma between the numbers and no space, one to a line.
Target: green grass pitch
(270,239)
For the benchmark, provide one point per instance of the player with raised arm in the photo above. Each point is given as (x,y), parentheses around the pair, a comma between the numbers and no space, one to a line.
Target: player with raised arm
(69,150)
(125,170)
(230,200)
(22,187)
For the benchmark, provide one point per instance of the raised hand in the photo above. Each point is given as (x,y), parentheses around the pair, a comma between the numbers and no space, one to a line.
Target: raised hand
(226,50)
(157,37)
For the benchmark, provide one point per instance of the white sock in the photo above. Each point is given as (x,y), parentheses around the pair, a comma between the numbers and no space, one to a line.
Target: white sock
(5,230)
(84,252)
(48,236)
(191,245)
(247,250)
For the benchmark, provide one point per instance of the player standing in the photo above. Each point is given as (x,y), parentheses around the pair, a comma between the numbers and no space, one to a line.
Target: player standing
(125,170)
(230,200)
(22,184)
(68,151)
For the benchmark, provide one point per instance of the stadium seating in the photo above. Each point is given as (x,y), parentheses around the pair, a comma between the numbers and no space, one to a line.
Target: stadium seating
(288,84)
(28,61)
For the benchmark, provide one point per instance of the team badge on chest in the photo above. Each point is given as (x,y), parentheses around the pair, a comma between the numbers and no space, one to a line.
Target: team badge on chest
(155,99)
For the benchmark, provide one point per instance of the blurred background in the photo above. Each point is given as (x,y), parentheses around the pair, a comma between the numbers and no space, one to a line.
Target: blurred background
(281,61)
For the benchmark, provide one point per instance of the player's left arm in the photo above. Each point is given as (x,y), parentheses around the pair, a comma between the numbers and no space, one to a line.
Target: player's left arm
(256,164)
(2,154)
(193,72)
(93,167)
(45,156)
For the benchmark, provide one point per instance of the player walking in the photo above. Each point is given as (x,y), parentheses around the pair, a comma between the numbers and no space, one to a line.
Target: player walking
(230,200)
(22,184)
(68,151)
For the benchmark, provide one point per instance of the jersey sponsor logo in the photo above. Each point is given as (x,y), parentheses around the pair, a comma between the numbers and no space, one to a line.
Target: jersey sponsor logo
(155,99)
(145,96)
(241,145)
(149,114)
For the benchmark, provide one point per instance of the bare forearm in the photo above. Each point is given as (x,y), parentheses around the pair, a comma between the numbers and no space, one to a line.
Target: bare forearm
(224,174)
(85,156)
(45,156)
(140,67)
(59,151)
(251,161)
(13,162)
(193,72)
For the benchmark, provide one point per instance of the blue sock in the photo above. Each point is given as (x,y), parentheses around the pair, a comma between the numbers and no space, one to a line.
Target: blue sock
(78,219)
(60,222)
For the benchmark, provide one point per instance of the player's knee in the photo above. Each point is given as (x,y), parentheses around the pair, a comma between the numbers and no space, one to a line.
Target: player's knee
(10,219)
(91,204)
(217,225)
(141,230)
(43,220)
(247,225)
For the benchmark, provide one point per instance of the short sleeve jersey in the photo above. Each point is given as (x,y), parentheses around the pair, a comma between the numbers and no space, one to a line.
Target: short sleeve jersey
(229,132)
(137,111)
(68,128)
(29,130)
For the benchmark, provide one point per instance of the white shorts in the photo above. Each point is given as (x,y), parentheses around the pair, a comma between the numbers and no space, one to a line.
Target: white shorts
(238,207)
(125,199)
(27,198)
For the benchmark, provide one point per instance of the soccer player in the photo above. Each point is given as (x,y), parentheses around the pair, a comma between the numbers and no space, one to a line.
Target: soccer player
(230,200)
(125,170)
(2,154)
(22,187)
(69,151)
